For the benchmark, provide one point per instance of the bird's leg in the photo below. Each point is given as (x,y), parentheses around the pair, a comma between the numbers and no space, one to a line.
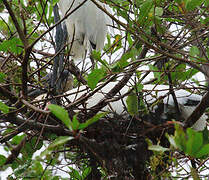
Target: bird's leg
(91,48)
(60,40)
(92,62)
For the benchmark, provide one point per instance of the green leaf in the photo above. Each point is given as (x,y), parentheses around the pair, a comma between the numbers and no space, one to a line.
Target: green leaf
(24,167)
(75,123)
(158,11)
(128,55)
(60,141)
(123,62)
(2,160)
(61,114)
(34,143)
(157,148)
(55,2)
(57,142)
(86,172)
(194,51)
(144,10)
(117,44)
(49,15)
(2,77)
(204,151)
(206,3)
(4,108)
(205,136)
(139,87)
(92,120)
(180,138)
(37,167)
(188,74)
(94,77)
(123,13)
(13,45)
(130,41)
(97,56)
(155,70)
(17,139)
(132,104)
(194,142)
(171,139)
(74,174)
(119,66)
(28,150)
(15,165)
(56,178)
(1,6)
(192,4)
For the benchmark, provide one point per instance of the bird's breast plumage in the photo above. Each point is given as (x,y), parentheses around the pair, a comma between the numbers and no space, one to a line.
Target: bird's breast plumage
(86,24)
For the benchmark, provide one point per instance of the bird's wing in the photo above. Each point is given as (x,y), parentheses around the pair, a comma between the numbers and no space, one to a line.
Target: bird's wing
(116,106)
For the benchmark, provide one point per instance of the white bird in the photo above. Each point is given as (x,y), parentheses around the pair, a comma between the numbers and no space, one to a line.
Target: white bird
(186,100)
(86,26)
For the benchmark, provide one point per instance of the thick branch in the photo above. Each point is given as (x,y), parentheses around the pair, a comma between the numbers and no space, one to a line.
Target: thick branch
(25,71)
(198,112)
(33,125)
(8,95)
(17,26)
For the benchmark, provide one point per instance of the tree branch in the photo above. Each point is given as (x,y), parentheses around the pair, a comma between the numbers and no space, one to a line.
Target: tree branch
(198,112)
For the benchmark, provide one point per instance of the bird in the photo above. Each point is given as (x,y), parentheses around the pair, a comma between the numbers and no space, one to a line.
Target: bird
(86,26)
(66,84)
(187,101)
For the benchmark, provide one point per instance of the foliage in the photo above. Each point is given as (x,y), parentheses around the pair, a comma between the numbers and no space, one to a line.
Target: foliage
(194,144)
(151,42)
(74,125)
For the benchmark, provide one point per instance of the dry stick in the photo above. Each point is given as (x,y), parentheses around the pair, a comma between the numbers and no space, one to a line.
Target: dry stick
(17,26)
(34,107)
(27,49)
(25,71)
(93,147)
(8,94)
(45,54)
(15,151)
(190,41)
(198,112)
(39,23)
(34,125)
(9,136)
(49,62)
(76,71)
(42,130)
(171,90)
